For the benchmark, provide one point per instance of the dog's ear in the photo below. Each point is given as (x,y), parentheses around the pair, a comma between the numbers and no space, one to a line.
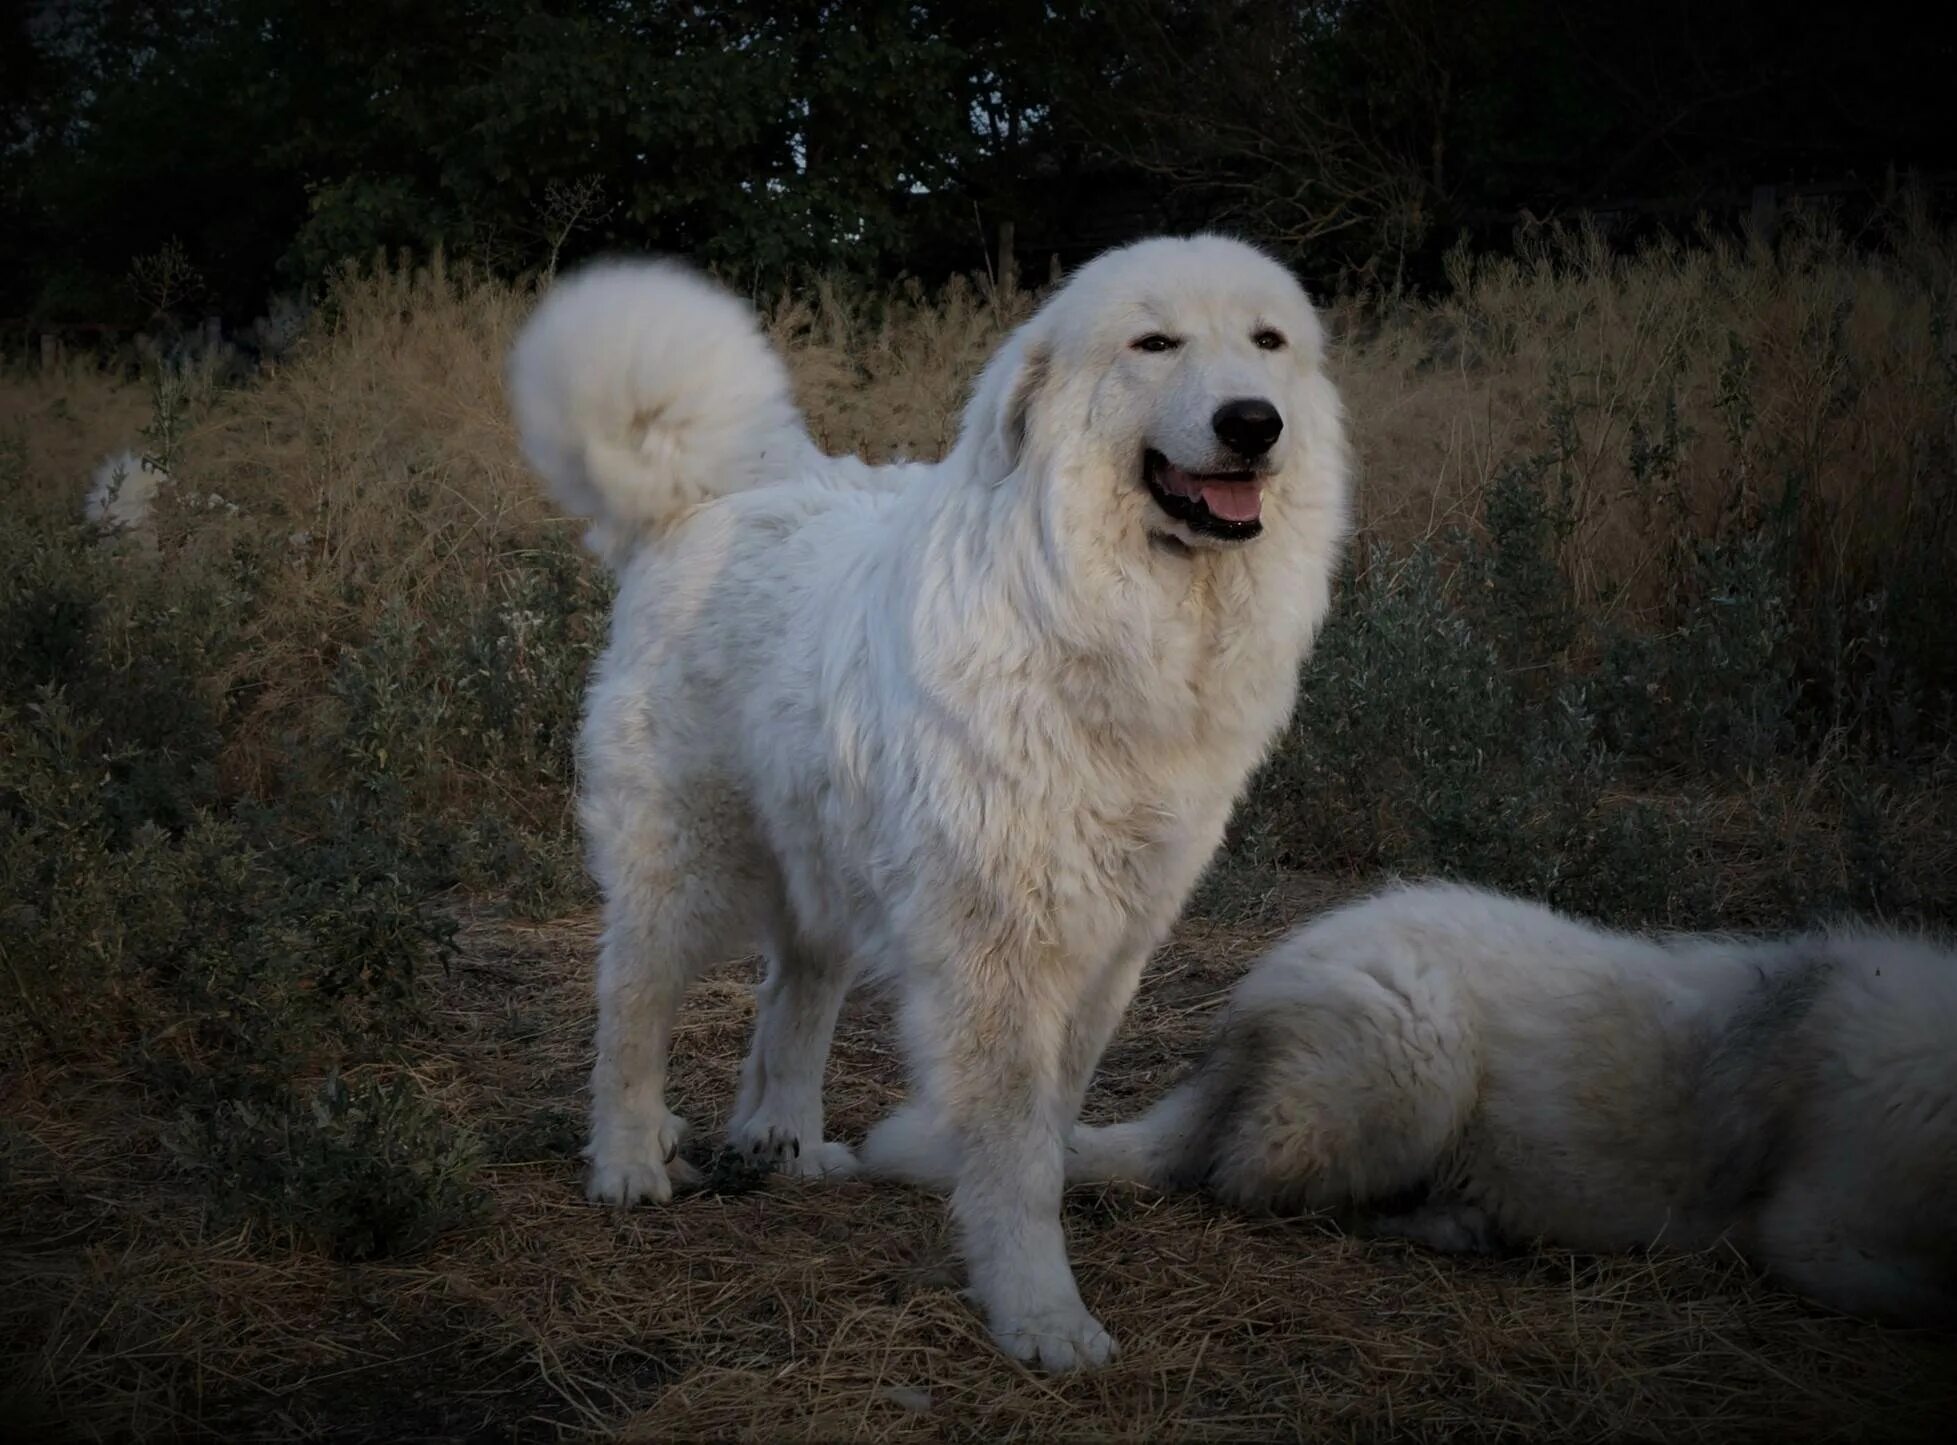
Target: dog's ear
(1016,416)
(1000,415)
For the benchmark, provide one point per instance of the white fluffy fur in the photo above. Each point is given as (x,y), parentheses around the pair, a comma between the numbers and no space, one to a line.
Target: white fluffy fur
(973,726)
(122,493)
(1533,1076)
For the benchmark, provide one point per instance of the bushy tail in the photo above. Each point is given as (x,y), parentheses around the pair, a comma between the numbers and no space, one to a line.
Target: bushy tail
(641,389)
(1166,1148)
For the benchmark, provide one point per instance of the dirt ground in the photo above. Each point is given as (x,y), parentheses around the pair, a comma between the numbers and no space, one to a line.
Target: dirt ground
(778,1310)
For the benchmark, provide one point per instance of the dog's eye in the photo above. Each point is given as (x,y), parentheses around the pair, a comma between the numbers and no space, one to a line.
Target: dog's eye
(1269,340)
(1155,341)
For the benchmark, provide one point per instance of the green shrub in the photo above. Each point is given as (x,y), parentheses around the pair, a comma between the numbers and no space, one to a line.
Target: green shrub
(539,870)
(1467,713)
(1416,749)
(133,660)
(1716,691)
(228,948)
(459,722)
(523,661)
(362,1170)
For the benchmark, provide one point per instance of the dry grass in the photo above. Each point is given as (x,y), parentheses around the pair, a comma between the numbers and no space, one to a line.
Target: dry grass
(380,455)
(69,418)
(807,1311)
(1841,356)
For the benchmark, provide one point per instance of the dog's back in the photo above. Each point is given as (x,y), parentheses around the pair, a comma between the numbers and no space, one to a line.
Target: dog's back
(1863,1193)
(1526,1072)
(1518,1074)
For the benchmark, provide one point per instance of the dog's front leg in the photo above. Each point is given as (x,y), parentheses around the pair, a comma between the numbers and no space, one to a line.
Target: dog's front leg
(918,1143)
(1001,1078)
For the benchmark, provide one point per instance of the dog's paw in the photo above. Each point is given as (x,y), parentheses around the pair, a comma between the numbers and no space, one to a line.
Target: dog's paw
(644,1164)
(782,1147)
(1056,1340)
(1451,1228)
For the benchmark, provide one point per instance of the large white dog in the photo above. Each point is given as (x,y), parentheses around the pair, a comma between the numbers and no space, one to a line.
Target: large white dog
(974,726)
(1532,1076)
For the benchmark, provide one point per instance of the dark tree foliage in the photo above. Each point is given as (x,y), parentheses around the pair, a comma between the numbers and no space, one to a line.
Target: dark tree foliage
(275,137)
(270,139)
(1362,131)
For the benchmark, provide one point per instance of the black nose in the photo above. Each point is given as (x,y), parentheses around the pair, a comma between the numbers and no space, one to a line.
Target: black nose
(1247,426)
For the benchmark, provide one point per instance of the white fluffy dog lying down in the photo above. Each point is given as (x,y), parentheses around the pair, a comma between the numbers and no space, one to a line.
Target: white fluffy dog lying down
(1465,1068)
(974,726)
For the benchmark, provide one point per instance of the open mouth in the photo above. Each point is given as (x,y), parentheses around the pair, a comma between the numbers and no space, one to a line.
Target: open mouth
(1227,505)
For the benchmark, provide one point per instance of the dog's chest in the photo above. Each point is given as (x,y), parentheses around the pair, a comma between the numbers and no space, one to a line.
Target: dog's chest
(1125,820)
(1123,775)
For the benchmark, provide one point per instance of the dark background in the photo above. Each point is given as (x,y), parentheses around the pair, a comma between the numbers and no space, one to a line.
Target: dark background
(269,139)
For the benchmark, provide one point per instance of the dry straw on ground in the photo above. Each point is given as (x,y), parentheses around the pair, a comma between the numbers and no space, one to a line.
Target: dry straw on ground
(795,1311)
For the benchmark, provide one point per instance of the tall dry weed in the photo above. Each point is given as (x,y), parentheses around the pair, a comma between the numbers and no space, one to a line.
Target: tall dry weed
(1659,399)
(1672,389)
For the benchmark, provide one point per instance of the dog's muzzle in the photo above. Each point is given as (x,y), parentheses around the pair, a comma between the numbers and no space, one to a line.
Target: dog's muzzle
(1226,505)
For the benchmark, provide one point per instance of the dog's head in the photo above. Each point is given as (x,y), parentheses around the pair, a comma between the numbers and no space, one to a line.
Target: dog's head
(1173,388)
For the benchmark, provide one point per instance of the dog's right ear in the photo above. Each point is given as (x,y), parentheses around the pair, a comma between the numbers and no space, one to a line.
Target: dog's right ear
(1005,403)
(1016,420)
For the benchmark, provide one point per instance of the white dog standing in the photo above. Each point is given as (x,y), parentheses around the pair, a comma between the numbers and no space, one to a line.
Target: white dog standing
(1533,1076)
(975,726)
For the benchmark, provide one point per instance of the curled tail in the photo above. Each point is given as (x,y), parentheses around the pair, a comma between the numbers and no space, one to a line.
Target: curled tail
(641,389)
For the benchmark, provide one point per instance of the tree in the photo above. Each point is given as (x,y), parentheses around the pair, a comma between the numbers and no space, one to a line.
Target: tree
(1358,133)
(277,137)
(274,138)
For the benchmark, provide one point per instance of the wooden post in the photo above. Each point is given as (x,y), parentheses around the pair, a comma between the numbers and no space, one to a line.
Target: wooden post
(50,351)
(1008,268)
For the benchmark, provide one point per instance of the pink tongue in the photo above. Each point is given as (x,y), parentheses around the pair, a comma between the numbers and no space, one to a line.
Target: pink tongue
(1233,501)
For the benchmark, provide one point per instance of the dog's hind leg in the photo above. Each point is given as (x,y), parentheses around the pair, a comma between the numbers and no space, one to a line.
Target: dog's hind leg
(777,1117)
(1819,1237)
(672,908)
(644,967)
